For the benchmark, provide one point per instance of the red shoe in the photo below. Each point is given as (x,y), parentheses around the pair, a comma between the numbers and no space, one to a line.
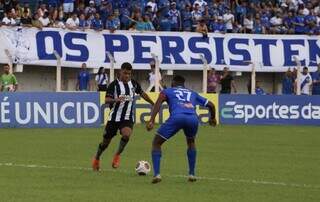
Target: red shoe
(116,161)
(95,164)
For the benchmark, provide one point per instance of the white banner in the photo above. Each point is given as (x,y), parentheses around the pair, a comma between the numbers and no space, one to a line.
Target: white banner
(176,50)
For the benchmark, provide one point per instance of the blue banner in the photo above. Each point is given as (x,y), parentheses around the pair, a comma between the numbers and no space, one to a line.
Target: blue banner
(49,110)
(271,53)
(269,109)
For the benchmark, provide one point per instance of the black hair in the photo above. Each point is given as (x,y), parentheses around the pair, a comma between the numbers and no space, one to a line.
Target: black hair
(126,66)
(179,80)
(305,68)
(100,70)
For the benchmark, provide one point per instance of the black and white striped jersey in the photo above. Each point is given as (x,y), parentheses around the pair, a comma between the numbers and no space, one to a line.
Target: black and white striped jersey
(124,110)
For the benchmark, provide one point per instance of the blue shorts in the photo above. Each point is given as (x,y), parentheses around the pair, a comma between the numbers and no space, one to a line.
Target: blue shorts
(188,122)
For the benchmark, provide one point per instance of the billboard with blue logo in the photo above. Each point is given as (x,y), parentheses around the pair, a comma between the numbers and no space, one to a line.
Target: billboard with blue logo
(50,110)
(269,109)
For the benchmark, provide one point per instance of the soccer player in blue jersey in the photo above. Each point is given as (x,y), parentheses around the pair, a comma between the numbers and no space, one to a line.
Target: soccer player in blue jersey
(182,103)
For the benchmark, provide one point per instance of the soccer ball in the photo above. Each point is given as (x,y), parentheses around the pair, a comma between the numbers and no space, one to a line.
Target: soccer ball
(143,167)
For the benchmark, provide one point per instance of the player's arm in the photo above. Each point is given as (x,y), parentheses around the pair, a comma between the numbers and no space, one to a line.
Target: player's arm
(15,83)
(144,95)
(155,110)
(1,85)
(212,110)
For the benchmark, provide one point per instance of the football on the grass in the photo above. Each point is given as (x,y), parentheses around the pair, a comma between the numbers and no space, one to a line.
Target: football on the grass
(143,167)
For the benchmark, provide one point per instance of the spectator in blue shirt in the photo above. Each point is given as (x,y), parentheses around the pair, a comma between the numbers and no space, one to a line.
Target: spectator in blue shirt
(83,23)
(288,23)
(83,79)
(299,23)
(112,23)
(124,20)
(316,81)
(140,24)
(257,27)
(96,23)
(175,17)
(259,90)
(241,11)
(214,10)
(148,24)
(265,21)
(187,18)
(218,25)
(121,4)
(53,3)
(104,11)
(251,10)
(222,7)
(288,83)
(311,22)
(165,24)
(137,18)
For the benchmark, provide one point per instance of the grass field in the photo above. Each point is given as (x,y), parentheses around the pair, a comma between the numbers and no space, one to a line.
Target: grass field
(235,163)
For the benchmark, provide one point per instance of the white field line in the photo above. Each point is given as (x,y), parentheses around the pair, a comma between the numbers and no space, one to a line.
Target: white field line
(258,182)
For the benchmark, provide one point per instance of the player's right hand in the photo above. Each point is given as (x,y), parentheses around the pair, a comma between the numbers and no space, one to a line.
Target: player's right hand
(120,99)
(150,126)
(213,122)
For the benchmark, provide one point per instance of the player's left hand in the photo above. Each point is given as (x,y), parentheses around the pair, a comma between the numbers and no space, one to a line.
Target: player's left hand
(150,126)
(213,122)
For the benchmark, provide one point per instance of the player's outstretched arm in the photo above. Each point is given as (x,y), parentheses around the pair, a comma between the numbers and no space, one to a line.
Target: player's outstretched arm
(155,111)
(212,110)
(146,97)
(110,100)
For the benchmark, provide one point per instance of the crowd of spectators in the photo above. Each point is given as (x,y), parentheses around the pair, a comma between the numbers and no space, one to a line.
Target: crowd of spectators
(222,16)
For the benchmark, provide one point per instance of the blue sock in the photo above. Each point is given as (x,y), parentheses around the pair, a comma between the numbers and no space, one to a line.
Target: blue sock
(156,157)
(191,153)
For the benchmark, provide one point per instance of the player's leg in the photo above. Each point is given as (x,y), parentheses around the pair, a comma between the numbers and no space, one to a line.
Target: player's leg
(109,132)
(192,154)
(156,157)
(190,130)
(126,129)
(165,132)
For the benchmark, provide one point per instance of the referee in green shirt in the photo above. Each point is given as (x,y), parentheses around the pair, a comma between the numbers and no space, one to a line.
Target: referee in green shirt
(8,81)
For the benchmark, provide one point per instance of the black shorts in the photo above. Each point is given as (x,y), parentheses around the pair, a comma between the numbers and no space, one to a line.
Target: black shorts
(112,128)
(102,87)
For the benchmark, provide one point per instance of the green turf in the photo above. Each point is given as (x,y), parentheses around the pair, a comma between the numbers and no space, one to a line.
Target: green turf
(232,157)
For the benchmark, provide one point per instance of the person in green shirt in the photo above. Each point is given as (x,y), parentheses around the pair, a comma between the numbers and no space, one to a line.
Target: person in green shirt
(8,81)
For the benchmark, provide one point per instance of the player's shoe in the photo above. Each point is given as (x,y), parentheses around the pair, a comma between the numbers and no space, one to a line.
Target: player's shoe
(156,179)
(116,161)
(95,164)
(192,178)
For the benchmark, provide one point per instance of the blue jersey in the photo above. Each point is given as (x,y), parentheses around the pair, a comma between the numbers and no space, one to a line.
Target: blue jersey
(300,28)
(182,100)
(83,79)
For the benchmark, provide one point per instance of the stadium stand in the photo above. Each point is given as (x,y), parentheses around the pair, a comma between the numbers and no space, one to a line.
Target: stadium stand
(232,16)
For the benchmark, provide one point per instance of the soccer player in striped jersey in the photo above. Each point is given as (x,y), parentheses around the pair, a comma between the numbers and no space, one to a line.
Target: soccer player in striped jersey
(120,96)
(182,103)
